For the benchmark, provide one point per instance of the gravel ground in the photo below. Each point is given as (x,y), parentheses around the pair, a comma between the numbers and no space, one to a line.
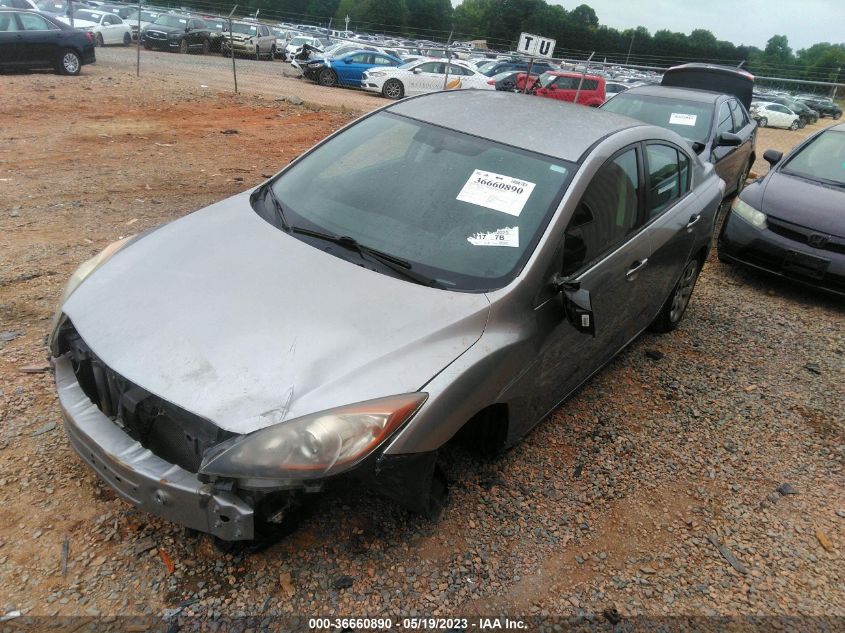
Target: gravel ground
(700,474)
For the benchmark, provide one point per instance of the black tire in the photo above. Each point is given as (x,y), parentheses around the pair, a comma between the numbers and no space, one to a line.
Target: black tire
(801,124)
(794,125)
(183,46)
(327,78)
(99,41)
(272,53)
(393,89)
(837,116)
(763,122)
(206,47)
(127,39)
(148,47)
(68,62)
(676,304)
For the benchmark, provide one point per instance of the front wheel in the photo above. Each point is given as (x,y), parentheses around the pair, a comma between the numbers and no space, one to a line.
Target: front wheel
(794,125)
(206,47)
(183,46)
(801,124)
(327,77)
(837,116)
(676,305)
(393,89)
(68,62)
(127,39)
(763,122)
(100,41)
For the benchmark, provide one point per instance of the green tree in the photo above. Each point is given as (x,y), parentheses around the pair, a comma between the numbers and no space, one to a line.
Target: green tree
(426,16)
(585,16)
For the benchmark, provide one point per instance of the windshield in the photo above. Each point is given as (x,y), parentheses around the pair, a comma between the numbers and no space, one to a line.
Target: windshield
(244,29)
(546,79)
(146,16)
(690,119)
(171,20)
(299,41)
(90,16)
(463,210)
(822,160)
(51,6)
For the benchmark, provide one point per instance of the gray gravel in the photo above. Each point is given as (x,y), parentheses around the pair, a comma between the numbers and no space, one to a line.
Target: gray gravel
(700,473)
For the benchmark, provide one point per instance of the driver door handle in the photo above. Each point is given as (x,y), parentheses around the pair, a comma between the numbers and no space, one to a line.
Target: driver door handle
(693,220)
(635,268)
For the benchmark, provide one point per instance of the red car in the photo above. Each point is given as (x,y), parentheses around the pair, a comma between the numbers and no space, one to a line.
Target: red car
(559,84)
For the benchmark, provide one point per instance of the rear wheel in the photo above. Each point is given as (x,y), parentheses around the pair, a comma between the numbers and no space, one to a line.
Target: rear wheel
(327,77)
(801,124)
(763,122)
(68,62)
(393,89)
(794,125)
(676,305)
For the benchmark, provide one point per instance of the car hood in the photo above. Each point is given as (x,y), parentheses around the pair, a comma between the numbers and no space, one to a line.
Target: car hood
(805,203)
(234,320)
(164,29)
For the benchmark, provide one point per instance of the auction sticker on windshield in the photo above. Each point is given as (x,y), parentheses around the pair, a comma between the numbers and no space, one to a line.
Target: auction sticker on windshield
(682,119)
(500,237)
(497,192)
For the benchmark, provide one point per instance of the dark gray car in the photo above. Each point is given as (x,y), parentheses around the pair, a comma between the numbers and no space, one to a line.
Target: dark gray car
(427,272)
(717,126)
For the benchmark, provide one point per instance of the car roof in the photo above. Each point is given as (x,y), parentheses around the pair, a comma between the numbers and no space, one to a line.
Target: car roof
(571,73)
(497,116)
(690,94)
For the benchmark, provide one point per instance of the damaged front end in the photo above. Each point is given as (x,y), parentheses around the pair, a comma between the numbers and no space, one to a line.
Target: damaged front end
(183,468)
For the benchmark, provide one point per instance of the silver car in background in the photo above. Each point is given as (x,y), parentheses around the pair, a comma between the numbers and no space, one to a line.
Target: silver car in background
(431,271)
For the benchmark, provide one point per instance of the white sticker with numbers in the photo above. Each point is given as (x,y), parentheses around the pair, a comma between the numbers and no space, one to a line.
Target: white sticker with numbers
(500,237)
(682,119)
(497,192)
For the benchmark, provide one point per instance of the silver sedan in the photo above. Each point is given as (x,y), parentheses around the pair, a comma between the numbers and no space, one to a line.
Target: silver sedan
(435,270)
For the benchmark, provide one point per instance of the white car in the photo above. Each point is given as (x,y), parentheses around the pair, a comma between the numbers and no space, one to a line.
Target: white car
(418,77)
(296,43)
(147,18)
(107,28)
(774,115)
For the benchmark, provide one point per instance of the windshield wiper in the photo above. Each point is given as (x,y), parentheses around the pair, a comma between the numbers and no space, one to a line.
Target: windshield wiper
(279,207)
(396,264)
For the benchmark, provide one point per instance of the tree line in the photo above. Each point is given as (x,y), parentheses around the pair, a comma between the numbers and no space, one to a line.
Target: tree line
(578,33)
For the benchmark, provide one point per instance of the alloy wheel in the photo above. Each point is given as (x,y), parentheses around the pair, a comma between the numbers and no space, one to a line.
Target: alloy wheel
(70,62)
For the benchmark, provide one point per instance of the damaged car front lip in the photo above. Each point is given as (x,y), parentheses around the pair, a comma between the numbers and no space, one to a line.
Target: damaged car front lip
(140,477)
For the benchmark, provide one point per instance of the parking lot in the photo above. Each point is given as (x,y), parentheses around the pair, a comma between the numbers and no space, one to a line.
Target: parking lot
(700,473)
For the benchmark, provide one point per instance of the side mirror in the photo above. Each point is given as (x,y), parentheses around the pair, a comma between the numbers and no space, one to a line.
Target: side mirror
(772,156)
(417,71)
(728,139)
(348,60)
(577,304)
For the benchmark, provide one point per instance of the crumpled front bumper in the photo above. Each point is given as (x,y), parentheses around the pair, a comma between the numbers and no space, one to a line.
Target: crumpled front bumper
(140,477)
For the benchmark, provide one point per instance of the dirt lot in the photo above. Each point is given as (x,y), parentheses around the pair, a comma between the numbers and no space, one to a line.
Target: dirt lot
(620,500)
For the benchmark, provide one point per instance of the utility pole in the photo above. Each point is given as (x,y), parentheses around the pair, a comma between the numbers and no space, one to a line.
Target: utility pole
(70,12)
(232,48)
(835,81)
(448,60)
(347,22)
(138,43)
(630,46)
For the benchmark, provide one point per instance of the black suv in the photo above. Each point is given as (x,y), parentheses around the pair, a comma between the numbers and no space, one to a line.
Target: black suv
(173,32)
(825,107)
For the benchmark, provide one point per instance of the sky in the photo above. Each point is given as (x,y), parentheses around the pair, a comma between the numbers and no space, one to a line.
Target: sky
(751,22)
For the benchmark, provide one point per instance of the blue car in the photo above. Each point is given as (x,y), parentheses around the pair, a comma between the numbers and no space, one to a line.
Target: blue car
(346,70)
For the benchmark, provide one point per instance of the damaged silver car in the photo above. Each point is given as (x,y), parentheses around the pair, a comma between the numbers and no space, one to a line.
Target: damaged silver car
(429,272)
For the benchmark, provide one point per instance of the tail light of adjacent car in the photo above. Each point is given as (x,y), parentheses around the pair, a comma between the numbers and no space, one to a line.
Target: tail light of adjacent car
(89,36)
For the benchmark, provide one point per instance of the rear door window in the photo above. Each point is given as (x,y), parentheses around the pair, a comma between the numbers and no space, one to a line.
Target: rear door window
(664,179)
(32,22)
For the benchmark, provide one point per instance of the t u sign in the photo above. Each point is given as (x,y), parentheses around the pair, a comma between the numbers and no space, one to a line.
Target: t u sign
(535,46)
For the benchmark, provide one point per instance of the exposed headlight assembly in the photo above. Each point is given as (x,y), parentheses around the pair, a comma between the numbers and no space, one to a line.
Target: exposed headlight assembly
(81,274)
(749,214)
(315,445)
(375,73)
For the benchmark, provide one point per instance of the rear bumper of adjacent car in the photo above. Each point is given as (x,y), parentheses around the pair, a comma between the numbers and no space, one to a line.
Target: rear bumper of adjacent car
(769,251)
(140,477)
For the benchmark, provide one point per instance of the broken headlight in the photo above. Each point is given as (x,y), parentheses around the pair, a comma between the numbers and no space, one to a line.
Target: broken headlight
(81,274)
(315,445)
(749,214)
